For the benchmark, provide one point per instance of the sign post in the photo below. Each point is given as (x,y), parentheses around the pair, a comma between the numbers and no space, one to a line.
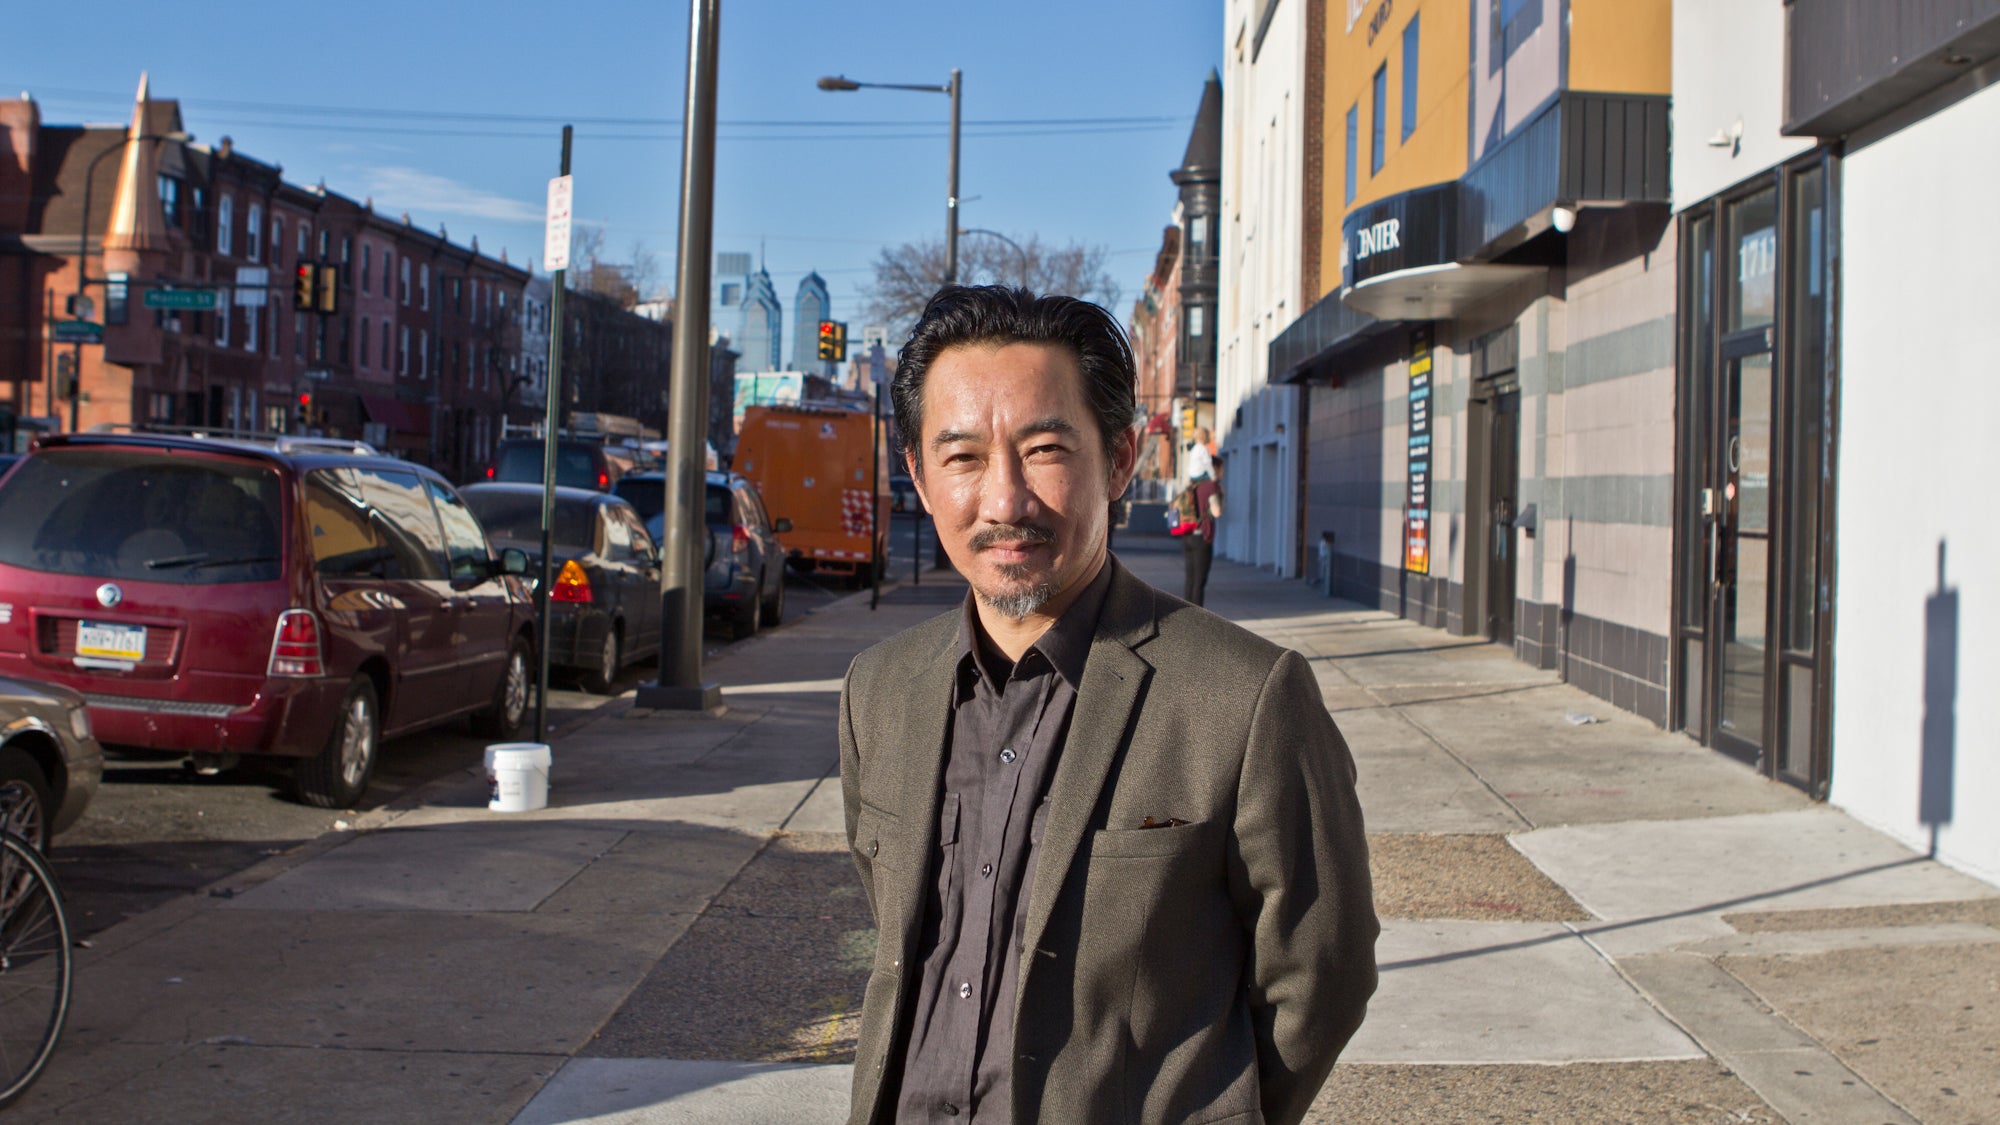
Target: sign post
(555,258)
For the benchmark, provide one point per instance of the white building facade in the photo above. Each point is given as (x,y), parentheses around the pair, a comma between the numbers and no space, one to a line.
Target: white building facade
(1257,425)
(1835,547)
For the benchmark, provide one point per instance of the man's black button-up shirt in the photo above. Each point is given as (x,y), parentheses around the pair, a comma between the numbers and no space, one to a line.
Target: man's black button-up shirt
(1007,731)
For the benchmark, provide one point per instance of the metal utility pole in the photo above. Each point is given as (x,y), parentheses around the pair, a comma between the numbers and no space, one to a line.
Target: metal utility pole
(680,686)
(552,393)
(951,192)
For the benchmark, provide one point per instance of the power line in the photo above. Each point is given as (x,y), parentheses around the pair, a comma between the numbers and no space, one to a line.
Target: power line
(284,109)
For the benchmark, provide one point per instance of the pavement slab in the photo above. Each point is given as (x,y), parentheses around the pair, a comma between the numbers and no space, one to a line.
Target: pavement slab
(366,979)
(597,1091)
(455,868)
(255,1085)
(1505,992)
(1661,883)
(1977,911)
(1691,1092)
(774,971)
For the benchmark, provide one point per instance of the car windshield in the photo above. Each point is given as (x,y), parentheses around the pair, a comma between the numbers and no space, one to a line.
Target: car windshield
(521,462)
(142,515)
(514,519)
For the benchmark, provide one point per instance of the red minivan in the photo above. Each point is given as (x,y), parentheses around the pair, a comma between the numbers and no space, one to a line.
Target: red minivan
(291,597)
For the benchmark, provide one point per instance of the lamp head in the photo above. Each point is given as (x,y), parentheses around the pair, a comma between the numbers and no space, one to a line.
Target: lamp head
(1563,218)
(833,83)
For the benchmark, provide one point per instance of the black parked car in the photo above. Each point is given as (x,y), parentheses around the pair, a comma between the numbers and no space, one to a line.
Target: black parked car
(605,595)
(744,579)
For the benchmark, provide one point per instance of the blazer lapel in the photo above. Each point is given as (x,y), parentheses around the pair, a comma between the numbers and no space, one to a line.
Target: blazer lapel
(918,744)
(1105,702)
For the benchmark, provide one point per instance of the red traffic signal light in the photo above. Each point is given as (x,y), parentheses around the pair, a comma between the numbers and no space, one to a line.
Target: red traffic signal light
(303,278)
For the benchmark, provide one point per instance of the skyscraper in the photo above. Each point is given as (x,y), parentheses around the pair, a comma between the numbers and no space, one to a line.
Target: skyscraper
(763,322)
(809,308)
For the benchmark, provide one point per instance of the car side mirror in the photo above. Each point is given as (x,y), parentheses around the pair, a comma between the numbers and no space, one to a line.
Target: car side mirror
(513,560)
(781,525)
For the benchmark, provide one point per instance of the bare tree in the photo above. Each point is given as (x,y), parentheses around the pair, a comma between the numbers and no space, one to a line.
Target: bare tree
(906,276)
(643,271)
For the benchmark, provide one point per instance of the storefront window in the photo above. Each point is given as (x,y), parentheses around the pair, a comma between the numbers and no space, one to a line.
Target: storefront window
(1808,354)
(1753,249)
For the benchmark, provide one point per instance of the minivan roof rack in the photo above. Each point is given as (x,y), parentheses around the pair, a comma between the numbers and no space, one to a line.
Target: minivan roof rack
(284,443)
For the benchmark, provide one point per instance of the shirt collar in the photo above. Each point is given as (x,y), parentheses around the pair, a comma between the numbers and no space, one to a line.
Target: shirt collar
(1066,645)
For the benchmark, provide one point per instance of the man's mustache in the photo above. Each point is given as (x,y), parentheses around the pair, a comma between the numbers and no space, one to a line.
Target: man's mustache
(1029,533)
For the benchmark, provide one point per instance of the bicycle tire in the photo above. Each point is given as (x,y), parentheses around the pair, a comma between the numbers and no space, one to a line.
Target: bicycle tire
(35,965)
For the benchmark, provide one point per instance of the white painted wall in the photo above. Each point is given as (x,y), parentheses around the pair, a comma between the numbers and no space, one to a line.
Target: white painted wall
(1262,228)
(1728,67)
(1919,395)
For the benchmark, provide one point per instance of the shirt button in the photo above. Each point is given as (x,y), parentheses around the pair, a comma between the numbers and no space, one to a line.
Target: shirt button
(964,991)
(1007,756)
(986,871)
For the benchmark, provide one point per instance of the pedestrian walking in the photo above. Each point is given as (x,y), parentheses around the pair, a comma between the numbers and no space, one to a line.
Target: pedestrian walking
(1198,543)
(1110,840)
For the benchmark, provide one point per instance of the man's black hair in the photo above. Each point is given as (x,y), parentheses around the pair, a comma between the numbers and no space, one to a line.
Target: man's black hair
(996,315)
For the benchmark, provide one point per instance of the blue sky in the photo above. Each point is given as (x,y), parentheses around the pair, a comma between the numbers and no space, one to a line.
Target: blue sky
(453,112)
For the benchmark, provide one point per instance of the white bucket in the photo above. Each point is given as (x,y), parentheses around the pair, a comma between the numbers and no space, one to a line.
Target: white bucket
(518,776)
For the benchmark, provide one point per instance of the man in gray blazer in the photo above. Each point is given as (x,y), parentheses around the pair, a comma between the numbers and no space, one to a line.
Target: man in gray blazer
(1110,840)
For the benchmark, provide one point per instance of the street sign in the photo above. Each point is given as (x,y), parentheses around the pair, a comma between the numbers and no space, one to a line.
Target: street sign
(318,374)
(250,284)
(78,332)
(201,300)
(555,243)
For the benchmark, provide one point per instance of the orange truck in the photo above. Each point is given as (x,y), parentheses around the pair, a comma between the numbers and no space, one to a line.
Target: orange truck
(814,467)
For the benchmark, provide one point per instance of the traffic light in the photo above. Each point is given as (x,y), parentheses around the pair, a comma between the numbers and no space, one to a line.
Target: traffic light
(329,289)
(65,376)
(305,408)
(826,348)
(302,287)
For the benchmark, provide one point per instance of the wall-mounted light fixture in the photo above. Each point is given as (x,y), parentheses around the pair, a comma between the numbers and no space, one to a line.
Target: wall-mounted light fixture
(1563,218)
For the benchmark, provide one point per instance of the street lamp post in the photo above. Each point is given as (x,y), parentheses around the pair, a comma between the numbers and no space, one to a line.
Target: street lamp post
(83,248)
(951,187)
(1018,251)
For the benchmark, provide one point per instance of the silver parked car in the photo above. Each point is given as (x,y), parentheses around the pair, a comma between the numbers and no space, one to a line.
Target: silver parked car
(50,762)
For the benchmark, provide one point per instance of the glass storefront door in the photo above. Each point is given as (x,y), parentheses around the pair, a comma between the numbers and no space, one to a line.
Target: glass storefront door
(1749,549)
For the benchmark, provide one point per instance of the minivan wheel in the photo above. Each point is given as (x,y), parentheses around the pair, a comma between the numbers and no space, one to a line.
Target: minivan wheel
(506,718)
(336,777)
(610,658)
(744,624)
(24,797)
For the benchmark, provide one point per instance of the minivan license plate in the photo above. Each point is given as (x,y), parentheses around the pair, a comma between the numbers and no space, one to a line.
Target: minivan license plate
(111,642)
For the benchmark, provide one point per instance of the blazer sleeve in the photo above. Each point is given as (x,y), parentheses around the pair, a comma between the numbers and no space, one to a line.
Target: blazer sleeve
(850,783)
(1301,889)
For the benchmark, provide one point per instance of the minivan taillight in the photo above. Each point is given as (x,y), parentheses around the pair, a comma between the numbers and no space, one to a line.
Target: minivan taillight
(295,648)
(739,538)
(572,584)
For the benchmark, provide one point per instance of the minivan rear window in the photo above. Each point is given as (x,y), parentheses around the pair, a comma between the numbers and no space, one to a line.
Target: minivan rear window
(142,515)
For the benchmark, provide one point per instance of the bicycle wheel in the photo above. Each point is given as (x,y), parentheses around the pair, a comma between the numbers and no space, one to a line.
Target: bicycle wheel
(34,965)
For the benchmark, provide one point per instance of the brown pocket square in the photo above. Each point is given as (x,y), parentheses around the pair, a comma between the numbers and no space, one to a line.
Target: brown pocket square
(1170,822)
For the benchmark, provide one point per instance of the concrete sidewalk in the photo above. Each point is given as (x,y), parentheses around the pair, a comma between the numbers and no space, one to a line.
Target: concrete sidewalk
(1583,921)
